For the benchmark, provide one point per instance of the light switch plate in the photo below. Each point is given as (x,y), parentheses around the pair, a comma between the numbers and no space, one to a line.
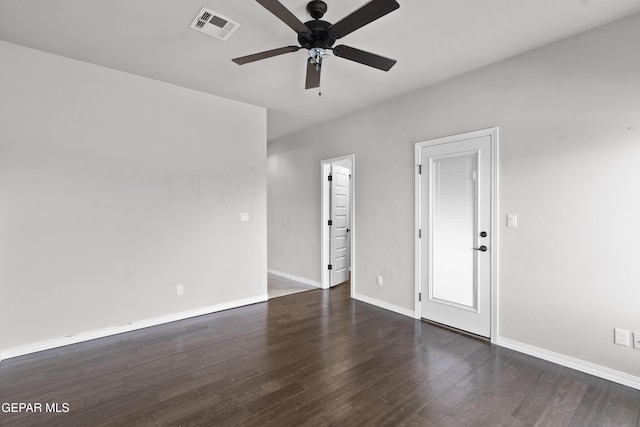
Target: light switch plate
(621,337)
(244,216)
(636,340)
(512,220)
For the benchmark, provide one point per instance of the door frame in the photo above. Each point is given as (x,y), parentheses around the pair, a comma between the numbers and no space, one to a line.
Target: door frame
(324,218)
(493,133)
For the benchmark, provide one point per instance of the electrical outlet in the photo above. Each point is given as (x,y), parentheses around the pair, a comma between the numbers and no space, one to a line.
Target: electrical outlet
(179,289)
(636,340)
(379,280)
(621,337)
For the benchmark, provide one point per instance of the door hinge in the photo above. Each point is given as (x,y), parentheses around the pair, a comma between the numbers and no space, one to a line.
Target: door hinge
(330,267)
(419,169)
(330,222)
(420,233)
(420,296)
(330,177)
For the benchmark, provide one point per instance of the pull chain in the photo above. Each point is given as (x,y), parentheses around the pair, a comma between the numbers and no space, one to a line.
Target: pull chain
(318,65)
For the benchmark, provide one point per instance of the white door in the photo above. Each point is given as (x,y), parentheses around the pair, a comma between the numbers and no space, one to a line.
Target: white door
(455,226)
(339,228)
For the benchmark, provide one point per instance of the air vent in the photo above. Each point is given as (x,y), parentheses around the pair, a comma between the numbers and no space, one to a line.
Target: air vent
(214,24)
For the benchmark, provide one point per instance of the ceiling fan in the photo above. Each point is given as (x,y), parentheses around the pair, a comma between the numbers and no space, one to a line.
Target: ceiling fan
(318,36)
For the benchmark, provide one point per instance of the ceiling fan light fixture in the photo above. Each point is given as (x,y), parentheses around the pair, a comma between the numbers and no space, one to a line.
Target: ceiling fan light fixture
(316,54)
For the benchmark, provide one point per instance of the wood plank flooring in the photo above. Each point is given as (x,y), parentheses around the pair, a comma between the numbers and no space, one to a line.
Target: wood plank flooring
(312,358)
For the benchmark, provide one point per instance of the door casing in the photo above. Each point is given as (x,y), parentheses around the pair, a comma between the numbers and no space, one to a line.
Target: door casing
(493,133)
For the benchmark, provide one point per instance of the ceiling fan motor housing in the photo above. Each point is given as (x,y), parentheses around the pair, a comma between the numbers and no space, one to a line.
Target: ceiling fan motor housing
(318,36)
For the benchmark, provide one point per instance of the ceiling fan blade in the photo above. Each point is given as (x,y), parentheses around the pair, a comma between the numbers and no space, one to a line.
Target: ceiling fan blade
(284,14)
(366,58)
(366,14)
(266,54)
(313,75)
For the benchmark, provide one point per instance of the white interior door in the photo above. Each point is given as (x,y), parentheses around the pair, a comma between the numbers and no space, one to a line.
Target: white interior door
(339,228)
(455,220)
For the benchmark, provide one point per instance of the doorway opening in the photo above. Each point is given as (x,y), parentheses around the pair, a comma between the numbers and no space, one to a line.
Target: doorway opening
(337,223)
(456,243)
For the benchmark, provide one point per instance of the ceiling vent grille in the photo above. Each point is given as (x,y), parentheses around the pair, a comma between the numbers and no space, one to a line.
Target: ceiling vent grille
(214,24)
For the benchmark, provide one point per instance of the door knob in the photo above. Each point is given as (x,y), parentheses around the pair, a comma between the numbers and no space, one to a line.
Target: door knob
(482,248)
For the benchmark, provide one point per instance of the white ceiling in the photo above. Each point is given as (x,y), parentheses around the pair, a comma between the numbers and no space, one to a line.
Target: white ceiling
(432,41)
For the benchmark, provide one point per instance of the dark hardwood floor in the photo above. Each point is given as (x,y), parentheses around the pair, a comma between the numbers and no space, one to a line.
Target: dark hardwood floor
(313,358)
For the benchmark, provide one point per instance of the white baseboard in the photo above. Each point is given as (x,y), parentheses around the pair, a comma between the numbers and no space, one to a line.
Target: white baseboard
(385,305)
(114,330)
(570,362)
(296,278)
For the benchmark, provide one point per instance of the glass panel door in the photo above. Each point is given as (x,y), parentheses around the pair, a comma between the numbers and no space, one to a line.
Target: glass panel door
(453,229)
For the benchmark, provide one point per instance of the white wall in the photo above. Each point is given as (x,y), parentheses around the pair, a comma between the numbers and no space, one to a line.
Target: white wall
(113,190)
(294,212)
(569,118)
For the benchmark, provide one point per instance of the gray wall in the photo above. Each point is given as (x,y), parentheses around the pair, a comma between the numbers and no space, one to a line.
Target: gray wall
(569,118)
(113,190)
